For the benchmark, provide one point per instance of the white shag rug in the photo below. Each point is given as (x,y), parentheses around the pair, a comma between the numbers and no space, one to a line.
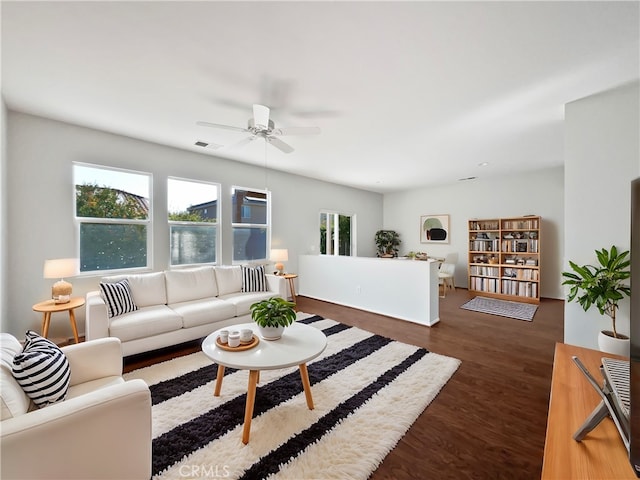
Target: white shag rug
(367,391)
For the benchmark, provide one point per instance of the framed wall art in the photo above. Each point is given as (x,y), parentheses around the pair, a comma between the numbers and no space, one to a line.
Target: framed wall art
(434,229)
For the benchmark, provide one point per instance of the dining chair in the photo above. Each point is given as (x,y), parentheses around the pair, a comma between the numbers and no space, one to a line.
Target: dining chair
(447,272)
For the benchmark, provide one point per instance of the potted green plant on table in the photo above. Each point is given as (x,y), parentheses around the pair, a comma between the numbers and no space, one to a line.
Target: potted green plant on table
(387,242)
(272,316)
(604,286)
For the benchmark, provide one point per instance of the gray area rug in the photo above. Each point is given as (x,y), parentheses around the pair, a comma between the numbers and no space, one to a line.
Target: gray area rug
(503,308)
(367,392)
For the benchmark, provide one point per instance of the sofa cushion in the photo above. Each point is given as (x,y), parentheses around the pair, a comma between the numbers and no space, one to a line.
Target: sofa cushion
(254,279)
(118,298)
(203,311)
(145,322)
(13,400)
(42,370)
(93,385)
(190,284)
(146,288)
(229,279)
(242,301)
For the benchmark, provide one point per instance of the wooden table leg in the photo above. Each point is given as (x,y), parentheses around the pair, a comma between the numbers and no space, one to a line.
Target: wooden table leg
(292,288)
(219,377)
(72,319)
(45,324)
(248,410)
(304,375)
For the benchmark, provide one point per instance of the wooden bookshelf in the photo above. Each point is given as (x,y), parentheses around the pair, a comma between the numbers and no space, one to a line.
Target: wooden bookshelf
(504,258)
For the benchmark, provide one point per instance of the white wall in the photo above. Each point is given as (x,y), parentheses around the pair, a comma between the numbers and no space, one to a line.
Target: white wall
(602,156)
(534,193)
(40,211)
(398,288)
(3,208)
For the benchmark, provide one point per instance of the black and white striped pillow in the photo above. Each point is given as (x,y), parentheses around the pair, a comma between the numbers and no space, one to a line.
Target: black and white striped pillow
(118,298)
(253,279)
(42,370)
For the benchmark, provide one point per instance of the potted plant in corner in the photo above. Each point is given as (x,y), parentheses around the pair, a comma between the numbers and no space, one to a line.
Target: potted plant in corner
(387,242)
(603,286)
(272,316)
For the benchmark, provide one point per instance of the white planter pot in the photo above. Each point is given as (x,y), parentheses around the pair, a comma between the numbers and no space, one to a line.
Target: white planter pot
(617,346)
(270,333)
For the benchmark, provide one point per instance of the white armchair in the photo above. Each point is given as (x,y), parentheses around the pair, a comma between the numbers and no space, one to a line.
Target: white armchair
(102,430)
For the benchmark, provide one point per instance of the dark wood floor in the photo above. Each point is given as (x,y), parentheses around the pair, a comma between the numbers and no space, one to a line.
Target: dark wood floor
(489,420)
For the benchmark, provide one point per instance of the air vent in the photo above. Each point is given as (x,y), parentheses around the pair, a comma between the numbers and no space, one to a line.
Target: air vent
(467,178)
(212,146)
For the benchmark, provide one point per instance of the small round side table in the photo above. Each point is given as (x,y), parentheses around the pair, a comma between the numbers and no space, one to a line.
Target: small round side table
(290,277)
(49,306)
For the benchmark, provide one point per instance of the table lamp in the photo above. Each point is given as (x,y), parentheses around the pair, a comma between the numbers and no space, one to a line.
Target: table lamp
(279,255)
(60,268)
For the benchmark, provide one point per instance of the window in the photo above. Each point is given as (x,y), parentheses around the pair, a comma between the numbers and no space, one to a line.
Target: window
(250,220)
(113,215)
(335,234)
(193,208)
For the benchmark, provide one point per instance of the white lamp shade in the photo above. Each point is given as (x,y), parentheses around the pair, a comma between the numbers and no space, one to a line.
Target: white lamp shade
(279,255)
(61,267)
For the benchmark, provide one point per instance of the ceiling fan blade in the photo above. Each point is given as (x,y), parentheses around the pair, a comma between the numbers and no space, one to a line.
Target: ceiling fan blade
(225,127)
(261,116)
(297,131)
(243,142)
(276,142)
(316,113)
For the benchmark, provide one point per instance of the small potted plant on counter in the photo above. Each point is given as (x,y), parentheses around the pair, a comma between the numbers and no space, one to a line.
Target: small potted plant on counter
(387,242)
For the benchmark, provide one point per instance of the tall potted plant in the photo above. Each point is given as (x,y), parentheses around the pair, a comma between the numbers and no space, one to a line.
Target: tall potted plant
(387,242)
(603,285)
(272,316)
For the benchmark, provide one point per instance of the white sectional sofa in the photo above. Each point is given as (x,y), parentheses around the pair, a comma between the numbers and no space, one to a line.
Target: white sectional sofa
(176,306)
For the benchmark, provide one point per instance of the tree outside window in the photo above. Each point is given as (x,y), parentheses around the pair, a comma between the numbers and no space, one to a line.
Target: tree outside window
(193,221)
(335,234)
(113,211)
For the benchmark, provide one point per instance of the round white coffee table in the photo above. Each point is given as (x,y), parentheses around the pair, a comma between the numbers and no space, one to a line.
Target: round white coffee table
(299,344)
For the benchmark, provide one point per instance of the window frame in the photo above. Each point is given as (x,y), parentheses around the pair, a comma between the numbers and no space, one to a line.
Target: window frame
(148,222)
(266,226)
(336,240)
(216,224)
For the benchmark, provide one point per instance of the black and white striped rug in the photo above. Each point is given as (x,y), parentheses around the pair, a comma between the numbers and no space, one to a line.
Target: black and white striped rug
(367,392)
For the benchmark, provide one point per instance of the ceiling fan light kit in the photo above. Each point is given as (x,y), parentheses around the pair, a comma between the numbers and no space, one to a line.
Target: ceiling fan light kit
(262,126)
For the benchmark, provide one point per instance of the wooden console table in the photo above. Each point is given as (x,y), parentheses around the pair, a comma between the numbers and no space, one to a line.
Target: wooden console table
(601,455)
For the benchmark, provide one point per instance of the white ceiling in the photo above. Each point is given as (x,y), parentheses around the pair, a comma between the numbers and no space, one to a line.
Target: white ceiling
(406,94)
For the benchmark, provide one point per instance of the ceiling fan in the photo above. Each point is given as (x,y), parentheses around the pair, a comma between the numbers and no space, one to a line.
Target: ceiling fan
(277,93)
(262,126)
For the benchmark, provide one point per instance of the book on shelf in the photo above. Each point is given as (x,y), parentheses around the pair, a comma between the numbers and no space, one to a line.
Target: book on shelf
(520,224)
(519,288)
(485,271)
